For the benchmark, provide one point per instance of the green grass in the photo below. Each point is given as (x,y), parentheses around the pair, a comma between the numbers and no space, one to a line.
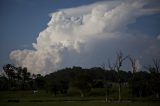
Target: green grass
(77,104)
(27,98)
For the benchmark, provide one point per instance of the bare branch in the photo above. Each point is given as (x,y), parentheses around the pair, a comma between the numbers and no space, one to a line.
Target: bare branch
(155,67)
(111,67)
(103,66)
(133,63)
(120,60)
(156,64)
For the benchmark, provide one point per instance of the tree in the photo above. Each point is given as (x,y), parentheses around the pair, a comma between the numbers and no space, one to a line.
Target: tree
(156,65)
(133,64)
(3,83)
(25,75)
(117,66)
(39,81)
(155,83)
(141,86)
(11,75)
(111,67)
(64,85)
(82,83)
(134,70)
(52,86)
(155,76)
(18,77)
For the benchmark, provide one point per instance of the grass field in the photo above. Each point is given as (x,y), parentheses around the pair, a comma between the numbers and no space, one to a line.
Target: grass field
(76,104)
(28,98)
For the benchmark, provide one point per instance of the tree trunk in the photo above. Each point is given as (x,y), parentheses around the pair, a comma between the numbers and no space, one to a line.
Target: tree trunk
(157,95)
(106,99)
(82,94)
(119,92)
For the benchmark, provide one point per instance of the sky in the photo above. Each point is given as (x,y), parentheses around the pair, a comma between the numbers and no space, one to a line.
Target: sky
(46,35)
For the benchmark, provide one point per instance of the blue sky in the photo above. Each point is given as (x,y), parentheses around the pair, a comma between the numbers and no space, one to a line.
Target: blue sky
(23,20)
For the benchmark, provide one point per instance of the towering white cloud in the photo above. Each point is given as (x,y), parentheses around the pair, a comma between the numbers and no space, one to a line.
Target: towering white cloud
(85,36)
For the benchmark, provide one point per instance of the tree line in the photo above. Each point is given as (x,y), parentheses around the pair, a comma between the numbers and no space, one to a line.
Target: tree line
(140,83)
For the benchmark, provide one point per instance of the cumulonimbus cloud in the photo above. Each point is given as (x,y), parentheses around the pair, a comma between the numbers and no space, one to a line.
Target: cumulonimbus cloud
(85,36)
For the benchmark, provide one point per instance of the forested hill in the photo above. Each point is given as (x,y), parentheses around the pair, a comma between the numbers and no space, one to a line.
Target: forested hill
(92,74)
(84,81)
(141,83)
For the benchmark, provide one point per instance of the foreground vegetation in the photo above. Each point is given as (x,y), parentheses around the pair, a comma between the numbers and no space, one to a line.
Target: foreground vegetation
(25,98)
(94,86)
(77,104)
(77,81)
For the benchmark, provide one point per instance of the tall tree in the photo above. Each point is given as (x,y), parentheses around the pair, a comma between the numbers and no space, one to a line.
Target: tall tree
(134,70)
(154,70)
(11,74)
(133,64)
(119,61)
(156,65)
